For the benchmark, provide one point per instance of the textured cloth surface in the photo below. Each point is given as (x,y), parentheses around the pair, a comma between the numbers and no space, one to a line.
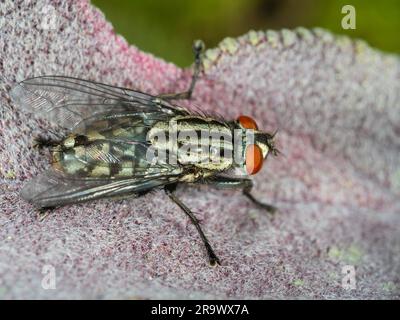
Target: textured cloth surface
(337,184)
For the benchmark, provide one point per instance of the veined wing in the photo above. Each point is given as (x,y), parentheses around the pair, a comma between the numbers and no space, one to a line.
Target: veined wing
(67,101)
(52,189)
(117,163)
(116,147)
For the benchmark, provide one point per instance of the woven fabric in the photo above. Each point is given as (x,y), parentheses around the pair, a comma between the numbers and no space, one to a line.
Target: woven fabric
(337,183)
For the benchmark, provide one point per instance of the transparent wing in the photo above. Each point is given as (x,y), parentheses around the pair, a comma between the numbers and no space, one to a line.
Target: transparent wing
(116,146)
(67,101)
(52,189)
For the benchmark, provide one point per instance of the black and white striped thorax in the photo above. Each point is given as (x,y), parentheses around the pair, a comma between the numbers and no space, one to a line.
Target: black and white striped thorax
(205,143)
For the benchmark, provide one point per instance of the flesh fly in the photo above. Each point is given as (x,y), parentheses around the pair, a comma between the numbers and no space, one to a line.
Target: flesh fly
(124,143)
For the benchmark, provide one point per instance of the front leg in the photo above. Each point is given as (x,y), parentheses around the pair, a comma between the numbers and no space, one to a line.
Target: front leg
(241,183)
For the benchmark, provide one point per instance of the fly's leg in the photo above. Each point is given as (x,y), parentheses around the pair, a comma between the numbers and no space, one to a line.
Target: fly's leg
(198,48)
(246,185)
(270,208)
(44,212)
(169,190)
(41,142)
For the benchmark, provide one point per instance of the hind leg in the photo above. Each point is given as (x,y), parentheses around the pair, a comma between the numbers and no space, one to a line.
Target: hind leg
(44,212)
(41,142)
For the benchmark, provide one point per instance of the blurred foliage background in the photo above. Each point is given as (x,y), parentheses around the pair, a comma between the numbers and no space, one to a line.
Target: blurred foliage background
(167,28)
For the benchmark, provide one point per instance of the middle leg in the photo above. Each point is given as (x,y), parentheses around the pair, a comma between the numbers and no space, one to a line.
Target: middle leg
(169,190)
(198,47)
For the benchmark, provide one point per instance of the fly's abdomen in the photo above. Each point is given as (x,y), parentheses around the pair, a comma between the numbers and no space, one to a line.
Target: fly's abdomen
(115,152)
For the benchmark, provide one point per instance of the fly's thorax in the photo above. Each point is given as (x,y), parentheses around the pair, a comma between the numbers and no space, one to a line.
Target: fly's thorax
(195,175)
(205,143)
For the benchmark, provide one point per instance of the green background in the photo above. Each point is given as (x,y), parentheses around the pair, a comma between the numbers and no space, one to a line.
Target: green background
(167,28)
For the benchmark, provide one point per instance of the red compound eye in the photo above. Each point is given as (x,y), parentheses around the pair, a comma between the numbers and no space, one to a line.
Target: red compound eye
(254,159)
(247,122)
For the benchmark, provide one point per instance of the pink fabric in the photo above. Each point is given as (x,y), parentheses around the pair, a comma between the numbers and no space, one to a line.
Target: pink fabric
(335,102)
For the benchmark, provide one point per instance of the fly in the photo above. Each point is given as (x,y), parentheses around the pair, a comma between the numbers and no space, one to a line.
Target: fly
(123,143)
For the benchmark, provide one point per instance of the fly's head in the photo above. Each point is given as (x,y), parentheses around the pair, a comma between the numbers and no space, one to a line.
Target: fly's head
(255,145)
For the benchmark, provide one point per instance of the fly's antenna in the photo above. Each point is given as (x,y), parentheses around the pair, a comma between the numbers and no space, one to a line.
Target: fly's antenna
(275,132)
(275,151)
